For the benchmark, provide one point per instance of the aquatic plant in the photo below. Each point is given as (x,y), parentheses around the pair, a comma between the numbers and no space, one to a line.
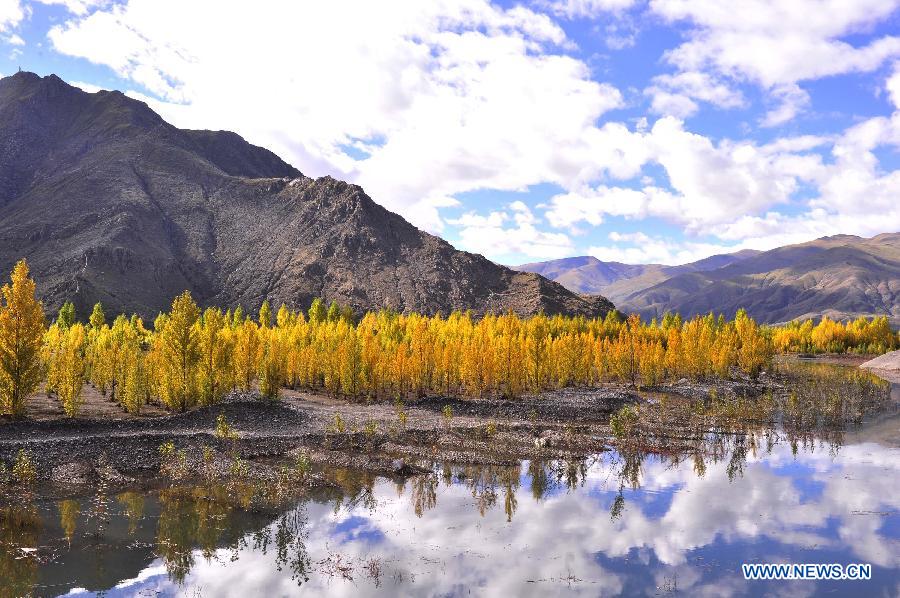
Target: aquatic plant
(24,473)
(172,462)
(337,425)
(447,414)
(623,422)
(224,431)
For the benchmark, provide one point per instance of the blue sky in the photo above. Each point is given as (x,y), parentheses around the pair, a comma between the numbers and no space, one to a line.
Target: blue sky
(637,131)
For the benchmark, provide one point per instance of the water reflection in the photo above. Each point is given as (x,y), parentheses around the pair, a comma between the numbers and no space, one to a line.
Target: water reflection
(613,523)
(631,522)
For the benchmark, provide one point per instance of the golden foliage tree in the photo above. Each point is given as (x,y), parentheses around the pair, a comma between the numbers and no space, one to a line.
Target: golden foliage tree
(21,337)
(214,367)
(68,367)
(179,353)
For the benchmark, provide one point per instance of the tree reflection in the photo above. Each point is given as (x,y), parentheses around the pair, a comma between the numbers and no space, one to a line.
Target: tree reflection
(20,527)
(133,506)
(68,517)
(424,493)
(210,518)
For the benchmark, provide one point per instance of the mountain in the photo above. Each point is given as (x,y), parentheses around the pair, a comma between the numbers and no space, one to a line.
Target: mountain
(110,203)
(587,274)
(841,277)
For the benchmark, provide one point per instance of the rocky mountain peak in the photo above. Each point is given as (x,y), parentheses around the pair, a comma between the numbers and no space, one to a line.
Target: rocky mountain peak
(110,203)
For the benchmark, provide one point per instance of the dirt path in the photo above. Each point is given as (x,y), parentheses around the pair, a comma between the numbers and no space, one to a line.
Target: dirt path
(40,407)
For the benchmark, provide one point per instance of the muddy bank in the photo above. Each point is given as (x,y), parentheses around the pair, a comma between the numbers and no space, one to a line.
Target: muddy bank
(121,452)
(375,436)
(887,366)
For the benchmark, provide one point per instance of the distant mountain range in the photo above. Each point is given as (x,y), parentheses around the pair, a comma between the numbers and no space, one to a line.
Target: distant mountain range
(110,203)
(840,277)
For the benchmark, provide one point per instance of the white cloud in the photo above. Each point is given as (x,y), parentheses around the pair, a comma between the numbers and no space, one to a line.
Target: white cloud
(78,7)
(587,8)
(778,44)
(12,12)
(791,101)
(421,101)
(711,183)
(854,185)
(893,86)
(510,232)
(447,96)
(732,191)
(88,87)
(675,94)
(639,248)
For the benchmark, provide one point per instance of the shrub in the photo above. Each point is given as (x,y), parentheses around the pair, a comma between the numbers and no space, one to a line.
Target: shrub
(224,431)
(623,422)
(24,472)
(447,413)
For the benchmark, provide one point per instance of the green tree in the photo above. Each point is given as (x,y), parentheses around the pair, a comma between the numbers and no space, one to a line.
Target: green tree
(238,317)
(265,314)
(66,315)
(334,312)
(98,317)
(317,312)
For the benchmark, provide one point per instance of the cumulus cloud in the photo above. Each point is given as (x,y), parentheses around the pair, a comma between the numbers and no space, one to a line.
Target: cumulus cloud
(443,97)
(513,231)
(778,44)
(422,101)
(675,94)
(78,7)
(639,248)
(733,191)
(893,86)
(711,183)
(791,99)
(588,8)
(12,12)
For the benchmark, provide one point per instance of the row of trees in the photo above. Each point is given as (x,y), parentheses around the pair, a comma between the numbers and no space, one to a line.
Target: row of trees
(192,357)
(829,336)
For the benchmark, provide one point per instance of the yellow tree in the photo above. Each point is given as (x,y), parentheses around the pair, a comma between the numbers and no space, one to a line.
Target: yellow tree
(214,366)
(265,314)
(53,340)
(350,357)
(69,368)
(272,361)
(536,352)
(246,353)
(129,376)
(180,352)
(21,336)
(755,351)
(510,355)
(652,363)
(134,390)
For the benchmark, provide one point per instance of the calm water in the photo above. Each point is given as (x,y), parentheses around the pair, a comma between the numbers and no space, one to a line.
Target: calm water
(610,525)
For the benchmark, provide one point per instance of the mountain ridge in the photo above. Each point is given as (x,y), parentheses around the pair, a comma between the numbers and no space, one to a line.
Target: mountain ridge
(587,274)
(840,276)
(110,203)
